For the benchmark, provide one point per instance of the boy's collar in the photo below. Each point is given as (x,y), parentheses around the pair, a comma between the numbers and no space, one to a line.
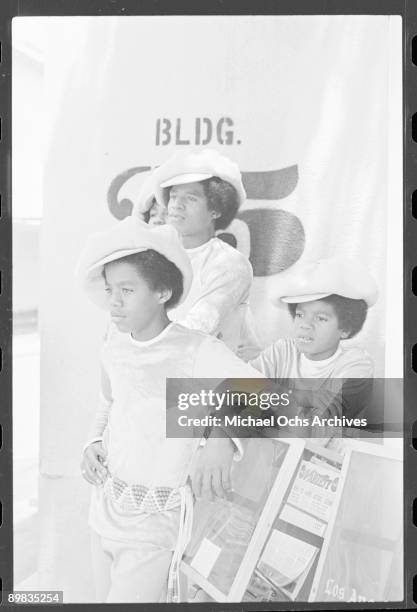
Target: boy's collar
(156,338)
(335,355)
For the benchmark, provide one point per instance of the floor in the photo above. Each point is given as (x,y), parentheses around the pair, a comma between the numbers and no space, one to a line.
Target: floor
(25,455)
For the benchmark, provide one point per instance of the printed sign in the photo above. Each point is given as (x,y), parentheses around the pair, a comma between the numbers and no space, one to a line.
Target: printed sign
(314,489)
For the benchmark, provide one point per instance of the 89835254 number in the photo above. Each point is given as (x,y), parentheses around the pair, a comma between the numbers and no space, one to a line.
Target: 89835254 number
(32,597)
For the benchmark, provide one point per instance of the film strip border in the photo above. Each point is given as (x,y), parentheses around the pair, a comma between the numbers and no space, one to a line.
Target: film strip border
(6,431)
(410,300)
(406,8)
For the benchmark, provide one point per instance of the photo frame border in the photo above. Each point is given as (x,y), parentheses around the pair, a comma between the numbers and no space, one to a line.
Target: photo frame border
(407,9)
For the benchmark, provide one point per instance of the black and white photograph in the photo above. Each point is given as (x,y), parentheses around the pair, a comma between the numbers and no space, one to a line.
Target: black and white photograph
(203,206)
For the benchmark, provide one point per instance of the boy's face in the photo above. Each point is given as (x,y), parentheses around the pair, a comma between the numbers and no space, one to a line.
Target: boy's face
(132,303)
(316,329)
(188,209)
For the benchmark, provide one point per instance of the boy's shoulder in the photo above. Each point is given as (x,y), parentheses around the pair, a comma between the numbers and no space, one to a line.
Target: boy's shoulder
(176,334)
(221,251)
(181,331)
(352,361)
(356,361)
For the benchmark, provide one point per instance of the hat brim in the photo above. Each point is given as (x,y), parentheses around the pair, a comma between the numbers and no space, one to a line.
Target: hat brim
(182,179)
(113,256)
(298,299)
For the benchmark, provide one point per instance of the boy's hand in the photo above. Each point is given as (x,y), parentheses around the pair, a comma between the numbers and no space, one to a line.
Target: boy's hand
(93,464)
(211,475)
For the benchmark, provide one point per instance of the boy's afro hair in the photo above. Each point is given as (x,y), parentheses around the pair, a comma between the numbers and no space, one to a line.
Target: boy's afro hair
(350,313)
(159,273)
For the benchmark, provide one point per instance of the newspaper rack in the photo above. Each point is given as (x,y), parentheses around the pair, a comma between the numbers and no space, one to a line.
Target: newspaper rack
(310,540)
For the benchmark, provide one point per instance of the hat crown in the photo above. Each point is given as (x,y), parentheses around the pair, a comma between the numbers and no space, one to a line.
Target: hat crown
(127,237)
(342,276)
(205,160)
(195,166)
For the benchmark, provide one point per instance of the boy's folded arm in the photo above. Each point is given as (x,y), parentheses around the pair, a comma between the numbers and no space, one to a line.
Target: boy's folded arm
(347,398)
(354,397)
(355,390)
(101,417)
(347,393)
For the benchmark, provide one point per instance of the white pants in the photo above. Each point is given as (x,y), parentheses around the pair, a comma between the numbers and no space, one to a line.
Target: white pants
(136,570)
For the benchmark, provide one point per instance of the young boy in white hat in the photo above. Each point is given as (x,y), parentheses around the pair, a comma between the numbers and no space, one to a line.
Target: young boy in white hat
(328,301)
(140,508)
(202,193)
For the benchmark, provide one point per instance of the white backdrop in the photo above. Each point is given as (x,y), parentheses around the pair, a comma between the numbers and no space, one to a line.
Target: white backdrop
(309,97)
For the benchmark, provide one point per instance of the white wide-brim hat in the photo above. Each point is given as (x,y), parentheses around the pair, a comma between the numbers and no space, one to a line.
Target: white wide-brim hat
(316,280)
(185,167)
(126,238)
